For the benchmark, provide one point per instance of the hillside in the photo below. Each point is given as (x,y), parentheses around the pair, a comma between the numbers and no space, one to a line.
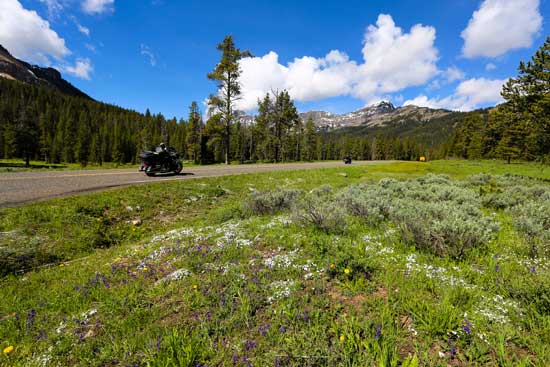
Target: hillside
(15,69)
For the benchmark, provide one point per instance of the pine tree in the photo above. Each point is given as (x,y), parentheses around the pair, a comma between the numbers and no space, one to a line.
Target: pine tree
(226,74)
(528,99)
(194,127)
(310,141)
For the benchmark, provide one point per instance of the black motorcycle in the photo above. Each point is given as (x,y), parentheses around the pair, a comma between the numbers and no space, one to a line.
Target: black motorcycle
(347,160)
(160,161)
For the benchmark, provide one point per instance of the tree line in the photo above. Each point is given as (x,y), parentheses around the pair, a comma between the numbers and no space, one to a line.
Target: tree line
(520,127)
(43,124)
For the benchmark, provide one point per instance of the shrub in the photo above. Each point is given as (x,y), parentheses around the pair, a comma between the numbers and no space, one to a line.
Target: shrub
(364,202)
(318,208)
(443,229)
(533,218)
(269,202)
(433,213)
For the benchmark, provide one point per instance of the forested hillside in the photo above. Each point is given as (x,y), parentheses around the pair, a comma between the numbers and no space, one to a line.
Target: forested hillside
(40,123)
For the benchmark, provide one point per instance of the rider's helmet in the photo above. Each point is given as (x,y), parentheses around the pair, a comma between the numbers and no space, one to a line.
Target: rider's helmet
(163,146)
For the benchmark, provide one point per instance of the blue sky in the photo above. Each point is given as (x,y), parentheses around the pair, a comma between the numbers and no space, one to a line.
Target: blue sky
(331,55)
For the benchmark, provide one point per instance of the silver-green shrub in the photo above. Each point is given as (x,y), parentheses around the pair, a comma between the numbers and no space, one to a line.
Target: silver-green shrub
(318,208)
(269,202)
(433,213)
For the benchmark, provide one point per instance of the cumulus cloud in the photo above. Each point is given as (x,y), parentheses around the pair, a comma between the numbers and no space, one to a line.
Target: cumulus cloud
(28,36)
(146,51)
(81,69)
(490,66)
(501,25)
(392,61)
(469,95)
(98,6)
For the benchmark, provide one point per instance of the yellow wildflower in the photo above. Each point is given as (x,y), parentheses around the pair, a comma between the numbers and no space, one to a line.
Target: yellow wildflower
(8,350)
(342,338)
(145,269)
(61,265)
(332,266)
(195,287)
(347,271)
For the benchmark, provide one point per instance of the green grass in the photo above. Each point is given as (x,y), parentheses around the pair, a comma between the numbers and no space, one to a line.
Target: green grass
(94,289)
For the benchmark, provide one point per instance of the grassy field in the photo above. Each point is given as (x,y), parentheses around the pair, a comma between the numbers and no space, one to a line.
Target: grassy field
(440,263)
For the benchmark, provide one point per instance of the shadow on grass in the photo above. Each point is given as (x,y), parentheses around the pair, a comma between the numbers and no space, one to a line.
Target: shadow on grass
(32,165)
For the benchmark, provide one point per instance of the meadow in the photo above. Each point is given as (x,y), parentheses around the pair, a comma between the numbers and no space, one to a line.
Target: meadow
(402,264)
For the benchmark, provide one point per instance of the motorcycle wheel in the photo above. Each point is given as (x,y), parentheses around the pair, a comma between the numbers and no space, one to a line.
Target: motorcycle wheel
(178,169)
(150,174)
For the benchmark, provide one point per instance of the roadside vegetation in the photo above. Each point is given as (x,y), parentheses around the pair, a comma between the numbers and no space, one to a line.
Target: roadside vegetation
(440,263)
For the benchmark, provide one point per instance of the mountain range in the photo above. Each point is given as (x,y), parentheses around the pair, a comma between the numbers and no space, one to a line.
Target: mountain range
(15,69)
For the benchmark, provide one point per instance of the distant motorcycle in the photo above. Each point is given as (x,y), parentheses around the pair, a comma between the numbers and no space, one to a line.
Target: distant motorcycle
(347,160)
(160,161)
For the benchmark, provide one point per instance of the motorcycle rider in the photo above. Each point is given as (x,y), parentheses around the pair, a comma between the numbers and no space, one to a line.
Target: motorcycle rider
(163,153)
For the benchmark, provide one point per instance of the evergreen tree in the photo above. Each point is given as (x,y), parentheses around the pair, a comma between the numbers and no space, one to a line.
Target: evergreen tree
(194,127)
(226,74)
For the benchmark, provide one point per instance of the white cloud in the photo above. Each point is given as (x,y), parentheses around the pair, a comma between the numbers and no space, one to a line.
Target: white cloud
(490,66)
(453,73)
(83,29)
(54,7)
(393,61)
(82,69)
(90,47)
(98,6)
(501,25)
(28,36)
(469,95)
(146,51)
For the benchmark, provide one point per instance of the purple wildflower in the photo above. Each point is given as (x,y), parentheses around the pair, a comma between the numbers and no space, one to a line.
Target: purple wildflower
(235,358)
(377,331)
(467,326)
(277,362)
(263,329)
(282,330)
(249,344)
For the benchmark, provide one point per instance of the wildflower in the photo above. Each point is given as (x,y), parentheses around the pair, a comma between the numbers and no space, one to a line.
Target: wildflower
(332,266)
(377,331)
(342,338)
(347,271)
(8,349)
(282,330)
(249,344)
(145,268)
(195,287)
(61,265)
(467,326)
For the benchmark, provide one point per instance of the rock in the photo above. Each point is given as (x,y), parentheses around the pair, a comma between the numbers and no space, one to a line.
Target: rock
(136,222)
(343,174)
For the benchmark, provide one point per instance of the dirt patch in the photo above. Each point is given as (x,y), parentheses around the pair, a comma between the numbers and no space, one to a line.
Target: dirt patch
(381,293)
(349,302)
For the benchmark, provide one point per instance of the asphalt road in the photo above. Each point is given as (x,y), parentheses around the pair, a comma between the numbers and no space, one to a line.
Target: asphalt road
(25,187)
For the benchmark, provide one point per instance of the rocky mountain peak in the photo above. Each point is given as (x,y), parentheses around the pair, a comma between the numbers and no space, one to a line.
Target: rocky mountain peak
(15,69)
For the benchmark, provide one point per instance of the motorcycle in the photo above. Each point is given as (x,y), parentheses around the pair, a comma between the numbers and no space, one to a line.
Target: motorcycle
(347,160)
(160,161)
